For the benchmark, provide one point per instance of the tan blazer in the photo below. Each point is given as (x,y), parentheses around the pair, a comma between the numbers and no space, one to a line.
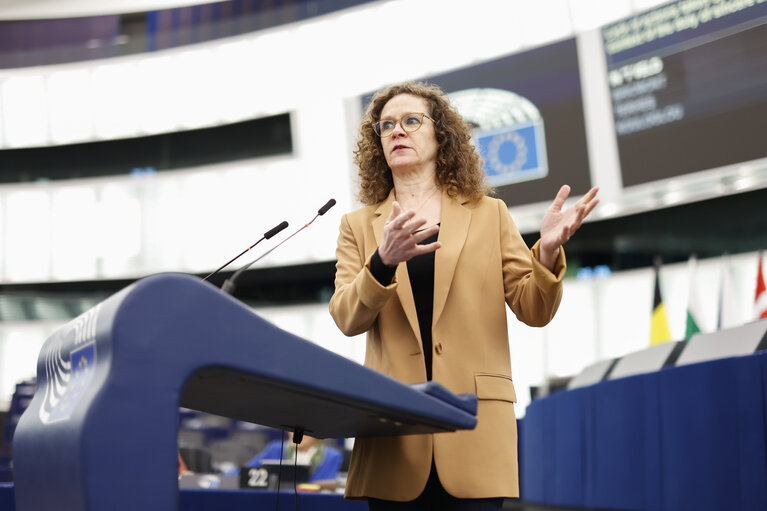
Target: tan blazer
(482,265)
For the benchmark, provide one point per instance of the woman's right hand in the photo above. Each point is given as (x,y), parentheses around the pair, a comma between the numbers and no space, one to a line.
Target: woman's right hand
(400,239)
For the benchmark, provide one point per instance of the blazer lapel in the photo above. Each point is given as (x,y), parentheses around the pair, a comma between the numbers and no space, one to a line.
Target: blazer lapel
(454,228)
(381,213)
(404,291)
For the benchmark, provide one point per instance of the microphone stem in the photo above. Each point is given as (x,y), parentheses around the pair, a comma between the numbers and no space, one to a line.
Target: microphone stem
(229,284)
(233,259)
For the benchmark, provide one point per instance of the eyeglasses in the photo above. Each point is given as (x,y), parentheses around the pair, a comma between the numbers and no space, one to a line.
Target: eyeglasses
(409,122)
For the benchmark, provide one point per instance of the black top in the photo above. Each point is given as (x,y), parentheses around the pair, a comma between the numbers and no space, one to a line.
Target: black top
(421,272)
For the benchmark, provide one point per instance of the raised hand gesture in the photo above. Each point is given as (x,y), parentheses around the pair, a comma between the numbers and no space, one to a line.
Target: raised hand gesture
(400,239)
(560,224)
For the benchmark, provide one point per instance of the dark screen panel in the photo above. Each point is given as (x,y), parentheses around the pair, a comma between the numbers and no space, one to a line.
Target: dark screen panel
(689,88)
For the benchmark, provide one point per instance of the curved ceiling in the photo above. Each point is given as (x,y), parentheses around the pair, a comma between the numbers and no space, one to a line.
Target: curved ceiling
(50,9)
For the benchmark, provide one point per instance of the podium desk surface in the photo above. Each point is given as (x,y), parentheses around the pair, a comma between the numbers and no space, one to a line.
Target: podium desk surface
(110,383)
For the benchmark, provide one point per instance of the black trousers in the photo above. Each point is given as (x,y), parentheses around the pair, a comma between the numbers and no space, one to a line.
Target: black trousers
(435,498)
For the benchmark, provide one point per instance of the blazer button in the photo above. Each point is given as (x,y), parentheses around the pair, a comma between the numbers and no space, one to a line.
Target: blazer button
(438,348)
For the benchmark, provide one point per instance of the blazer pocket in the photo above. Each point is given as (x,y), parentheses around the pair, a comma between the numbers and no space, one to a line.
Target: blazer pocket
(495,386)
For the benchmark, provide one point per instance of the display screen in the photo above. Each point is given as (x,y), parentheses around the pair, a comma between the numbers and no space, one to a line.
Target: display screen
(527,113)
(688,84)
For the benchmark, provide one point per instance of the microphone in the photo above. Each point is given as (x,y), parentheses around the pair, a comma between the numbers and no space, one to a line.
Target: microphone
(324,209)
(229,284)
(268,234)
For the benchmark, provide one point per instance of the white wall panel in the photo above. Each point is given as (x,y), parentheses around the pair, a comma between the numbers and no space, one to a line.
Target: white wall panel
(590,14)
(355,34)
(623,321)
(571,335)
(28,236)
(246,220)
(541,22)
(323,156)
(69,100)
(3,238)
(203,208)
(73,212)
(24,110)
(528,347)
(116,99)
(157,86)
(118,230)
(237,62)
(643,5)
(2,121)
(196,86)
(499,34)
(164,235)
(280,82)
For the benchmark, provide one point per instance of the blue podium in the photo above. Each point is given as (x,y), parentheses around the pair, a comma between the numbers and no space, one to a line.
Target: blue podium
(101,430)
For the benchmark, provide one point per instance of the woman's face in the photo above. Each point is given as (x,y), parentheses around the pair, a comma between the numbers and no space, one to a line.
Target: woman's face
(409,151)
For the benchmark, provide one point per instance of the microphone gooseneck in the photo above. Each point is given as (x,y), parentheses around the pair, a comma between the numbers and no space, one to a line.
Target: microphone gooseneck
(268,234)
(230,283)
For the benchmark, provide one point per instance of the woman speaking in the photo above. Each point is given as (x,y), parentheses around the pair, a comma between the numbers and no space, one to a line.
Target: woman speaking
(426,269)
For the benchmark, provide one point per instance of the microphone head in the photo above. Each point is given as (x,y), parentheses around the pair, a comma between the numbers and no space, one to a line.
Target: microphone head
(228,286)
(324,209)
(274,230)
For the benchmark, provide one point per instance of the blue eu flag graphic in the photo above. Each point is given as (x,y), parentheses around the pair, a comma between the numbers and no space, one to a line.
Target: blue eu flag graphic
(83,360)
(513,153)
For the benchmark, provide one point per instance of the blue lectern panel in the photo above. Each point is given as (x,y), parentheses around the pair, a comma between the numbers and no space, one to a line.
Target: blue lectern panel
(535,440)
(682,438)
(624,445)
(763,361)
(713,436)
(7,501)
(569,436)
(101,430)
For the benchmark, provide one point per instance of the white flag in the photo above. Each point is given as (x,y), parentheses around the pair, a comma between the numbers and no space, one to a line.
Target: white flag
(729,313)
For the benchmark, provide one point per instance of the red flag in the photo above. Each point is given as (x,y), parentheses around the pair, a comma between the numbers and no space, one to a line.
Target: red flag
(760,301)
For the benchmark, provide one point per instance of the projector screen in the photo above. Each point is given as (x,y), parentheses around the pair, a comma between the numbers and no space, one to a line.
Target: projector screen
(688,85)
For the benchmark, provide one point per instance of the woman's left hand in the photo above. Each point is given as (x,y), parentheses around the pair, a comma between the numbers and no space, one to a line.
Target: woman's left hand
(559,224)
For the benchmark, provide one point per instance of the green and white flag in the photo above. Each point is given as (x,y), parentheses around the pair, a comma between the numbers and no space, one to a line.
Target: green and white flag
(694,309)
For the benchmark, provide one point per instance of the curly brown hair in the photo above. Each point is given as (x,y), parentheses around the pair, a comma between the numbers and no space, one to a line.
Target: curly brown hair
(458,164)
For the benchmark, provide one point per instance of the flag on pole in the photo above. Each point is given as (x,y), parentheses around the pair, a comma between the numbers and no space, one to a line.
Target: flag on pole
(760,300)
(729,312)
(694,309)
(659,330)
